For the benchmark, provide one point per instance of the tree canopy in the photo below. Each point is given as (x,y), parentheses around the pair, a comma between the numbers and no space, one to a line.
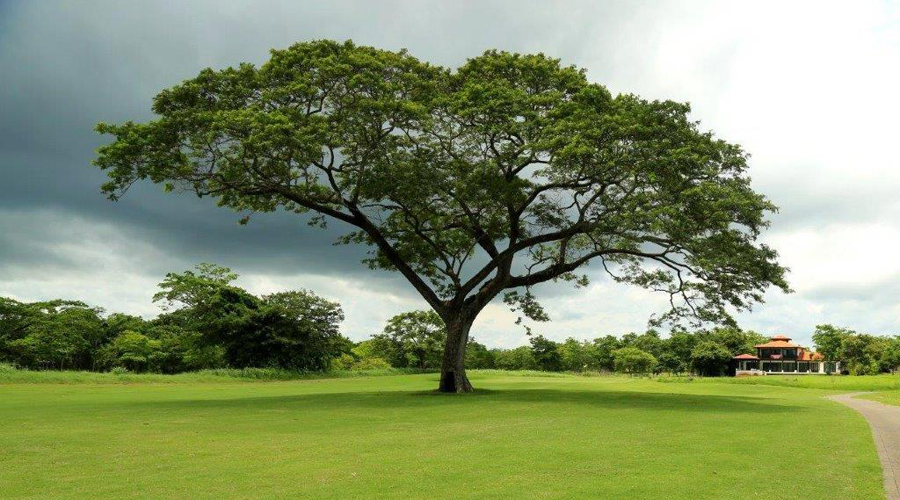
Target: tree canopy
(419,337)
(510,171)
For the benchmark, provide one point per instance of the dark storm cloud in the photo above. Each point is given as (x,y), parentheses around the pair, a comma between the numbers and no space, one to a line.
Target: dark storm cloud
(76,64)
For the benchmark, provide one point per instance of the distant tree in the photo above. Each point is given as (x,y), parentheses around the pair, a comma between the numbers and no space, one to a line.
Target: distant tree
(546,354)
(829,339)
(478,355)
(628,339)
(294,330)
(710,358)
(184,350)
(63,335)
(484,181)
(310,333)
(15,320)
(633,361)
(578,355)
(860,354)
(133,351)
(678,349)
(370,364)
(383,347)
(648,341)
(520,358)
(195,289)
(669,362)
(420,336)
(604,347)
(890,360)
(734,339)
(117,323)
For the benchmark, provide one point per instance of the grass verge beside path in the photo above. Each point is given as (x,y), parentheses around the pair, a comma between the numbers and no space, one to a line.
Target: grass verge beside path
(532,436)
(887,397)
(846,383)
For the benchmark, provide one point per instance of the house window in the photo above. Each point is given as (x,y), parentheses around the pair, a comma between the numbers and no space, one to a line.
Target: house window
(790,366)
(803,367)
(814,367)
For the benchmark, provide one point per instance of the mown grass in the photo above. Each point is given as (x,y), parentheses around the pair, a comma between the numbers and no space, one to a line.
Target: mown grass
(888,397)
(10,375)
(884,382)
(532,436)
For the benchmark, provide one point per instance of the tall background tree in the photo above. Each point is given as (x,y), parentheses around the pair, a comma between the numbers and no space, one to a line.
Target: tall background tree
(420,337)
(294,330)
(508,172)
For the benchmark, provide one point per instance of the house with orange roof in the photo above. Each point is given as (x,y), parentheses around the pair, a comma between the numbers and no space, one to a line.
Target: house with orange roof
(780,356)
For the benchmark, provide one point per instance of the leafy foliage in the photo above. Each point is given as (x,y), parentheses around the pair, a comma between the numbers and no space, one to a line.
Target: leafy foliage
(520,358)
(210,324)
(634,361)
(860,354)
(293,330)
(478,356)
(420,337)
(546,355)
(710,358)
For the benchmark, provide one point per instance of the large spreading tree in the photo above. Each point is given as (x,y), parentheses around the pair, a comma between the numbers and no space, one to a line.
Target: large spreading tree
(473,183)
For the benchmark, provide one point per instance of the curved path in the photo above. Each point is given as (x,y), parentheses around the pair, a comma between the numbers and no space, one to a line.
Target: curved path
(885,423)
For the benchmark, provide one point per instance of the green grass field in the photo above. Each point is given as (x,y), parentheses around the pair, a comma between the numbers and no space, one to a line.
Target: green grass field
(391,437)
(886,397)
(841,383)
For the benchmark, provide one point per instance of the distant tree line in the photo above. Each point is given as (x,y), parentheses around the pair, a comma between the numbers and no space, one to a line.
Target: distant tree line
(208,323)
(211,323)
(415,340)
(859,353)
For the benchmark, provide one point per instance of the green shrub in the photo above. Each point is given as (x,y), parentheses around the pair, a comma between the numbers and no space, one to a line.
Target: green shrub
(370,364)
(632,360)
(520,358)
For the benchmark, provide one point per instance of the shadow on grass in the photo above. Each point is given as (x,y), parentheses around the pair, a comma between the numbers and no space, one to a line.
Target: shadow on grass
(485,398)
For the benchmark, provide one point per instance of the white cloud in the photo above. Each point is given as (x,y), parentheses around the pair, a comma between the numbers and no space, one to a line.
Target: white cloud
(72,257)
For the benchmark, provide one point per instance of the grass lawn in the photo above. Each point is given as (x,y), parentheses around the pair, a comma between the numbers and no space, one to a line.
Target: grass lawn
(887,397)
(390,437)
(840,383)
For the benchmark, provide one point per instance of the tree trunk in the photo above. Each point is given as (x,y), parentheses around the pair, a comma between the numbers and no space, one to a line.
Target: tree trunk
(453,369)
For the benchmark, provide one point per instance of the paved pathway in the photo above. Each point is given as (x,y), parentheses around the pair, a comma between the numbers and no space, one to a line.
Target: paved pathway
(885,422)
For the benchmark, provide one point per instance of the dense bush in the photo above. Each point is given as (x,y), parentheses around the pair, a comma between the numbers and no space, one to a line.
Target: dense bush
(478,356)
(860,354)
(710,358)
(632,360)
(520,358)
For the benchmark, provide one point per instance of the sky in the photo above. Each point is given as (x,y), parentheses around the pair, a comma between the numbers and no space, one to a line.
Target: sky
(810,89)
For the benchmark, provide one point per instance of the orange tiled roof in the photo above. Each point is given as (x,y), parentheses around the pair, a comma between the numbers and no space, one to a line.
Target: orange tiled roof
(810,356)
(777,344)
(745,356)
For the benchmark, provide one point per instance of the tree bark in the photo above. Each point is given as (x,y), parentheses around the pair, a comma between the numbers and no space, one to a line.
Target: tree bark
(453,367)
